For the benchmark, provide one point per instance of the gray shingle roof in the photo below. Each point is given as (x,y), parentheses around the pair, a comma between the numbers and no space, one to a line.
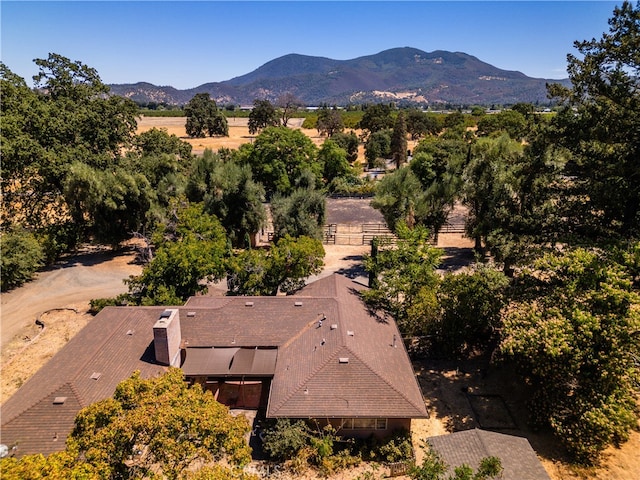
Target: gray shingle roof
(518,458)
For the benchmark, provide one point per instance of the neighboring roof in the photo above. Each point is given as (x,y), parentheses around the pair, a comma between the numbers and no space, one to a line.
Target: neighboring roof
(470,446)
(350,364)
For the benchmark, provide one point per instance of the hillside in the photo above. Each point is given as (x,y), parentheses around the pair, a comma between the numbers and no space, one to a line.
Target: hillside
(399,74)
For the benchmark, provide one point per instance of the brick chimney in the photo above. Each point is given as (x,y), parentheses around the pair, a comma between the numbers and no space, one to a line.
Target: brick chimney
(167,337)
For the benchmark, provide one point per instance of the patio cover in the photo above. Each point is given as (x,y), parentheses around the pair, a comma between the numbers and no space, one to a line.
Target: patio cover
(230,362)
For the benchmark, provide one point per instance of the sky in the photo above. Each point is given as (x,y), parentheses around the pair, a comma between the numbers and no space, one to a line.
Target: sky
(185,44)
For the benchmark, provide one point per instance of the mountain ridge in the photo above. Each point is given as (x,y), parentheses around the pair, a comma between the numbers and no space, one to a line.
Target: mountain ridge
(403,74)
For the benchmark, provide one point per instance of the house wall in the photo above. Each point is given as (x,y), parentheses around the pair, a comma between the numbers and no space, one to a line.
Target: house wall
(392,425)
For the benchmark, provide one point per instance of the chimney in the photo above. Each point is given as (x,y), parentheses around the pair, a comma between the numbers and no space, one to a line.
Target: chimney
(167,337)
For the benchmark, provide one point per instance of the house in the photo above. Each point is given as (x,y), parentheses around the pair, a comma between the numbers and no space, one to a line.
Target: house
(319,354)
(518,459)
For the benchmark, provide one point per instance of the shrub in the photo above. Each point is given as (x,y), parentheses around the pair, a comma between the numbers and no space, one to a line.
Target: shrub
(285,439)
(22,255)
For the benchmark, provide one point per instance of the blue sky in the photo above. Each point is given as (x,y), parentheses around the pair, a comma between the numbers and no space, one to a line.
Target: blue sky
(186,44)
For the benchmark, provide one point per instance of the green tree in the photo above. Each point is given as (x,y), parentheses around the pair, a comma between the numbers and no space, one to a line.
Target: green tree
(573,332)
(22,255)
(334,159)
(279,157)
(236,199)
(262,115)
(158,422)
(349,142)
(203,116)
(69,118)
(600,126)
(378,147)
(329,121)
(157,141)
(470,312)
(405,279)
(399,141)
(486,184)
(190,249)
(283,268)
(397,195)
(512,122)
(302,213)
(376,118)
(112,204)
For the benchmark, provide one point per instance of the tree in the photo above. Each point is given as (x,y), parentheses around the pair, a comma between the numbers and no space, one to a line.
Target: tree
(22,255)
(486,184)
(573,332)
(283,268)
(158,142)
(420,124)
(600,126)
(158,422)
(512,122)
(203,116)
(405,279)
(278,158)
(69,118)
(288,104)
(302,213)
(262,115)
(376,117)
(349,142)
(399,141)
(334,159)
(396,197)
(470,312)
(190,249)
(377,147)
(329,122)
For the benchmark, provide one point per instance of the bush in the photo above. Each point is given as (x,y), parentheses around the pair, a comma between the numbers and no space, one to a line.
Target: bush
(285,439)
(58,239)
(22,255)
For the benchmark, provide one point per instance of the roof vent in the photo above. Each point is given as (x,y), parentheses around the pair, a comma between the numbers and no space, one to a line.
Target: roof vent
(191,314)
(96,375)
(350,333)
(248,304)
(59,400)
(130,332)
(343,360)
(298,304)
(334,326)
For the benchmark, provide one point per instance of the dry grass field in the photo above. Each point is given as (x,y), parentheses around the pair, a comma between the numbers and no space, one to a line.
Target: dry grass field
(444,384)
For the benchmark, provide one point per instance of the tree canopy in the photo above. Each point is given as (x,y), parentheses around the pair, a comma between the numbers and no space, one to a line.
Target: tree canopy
(203,117)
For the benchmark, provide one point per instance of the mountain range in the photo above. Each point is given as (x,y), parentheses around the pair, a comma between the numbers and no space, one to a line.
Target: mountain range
(401,75)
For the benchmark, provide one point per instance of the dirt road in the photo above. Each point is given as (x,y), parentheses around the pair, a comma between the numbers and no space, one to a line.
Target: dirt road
(92,274)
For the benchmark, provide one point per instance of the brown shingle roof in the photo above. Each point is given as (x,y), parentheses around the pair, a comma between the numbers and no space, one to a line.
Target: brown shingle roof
(470,446)
(373,379)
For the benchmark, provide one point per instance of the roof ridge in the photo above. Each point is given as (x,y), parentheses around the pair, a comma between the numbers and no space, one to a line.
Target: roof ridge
(384,378)
(479,434)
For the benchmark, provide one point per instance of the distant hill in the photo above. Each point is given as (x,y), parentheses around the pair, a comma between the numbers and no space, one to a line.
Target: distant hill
(399,74)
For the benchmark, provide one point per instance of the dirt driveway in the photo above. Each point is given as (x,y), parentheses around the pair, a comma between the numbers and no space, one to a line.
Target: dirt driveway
(94,273)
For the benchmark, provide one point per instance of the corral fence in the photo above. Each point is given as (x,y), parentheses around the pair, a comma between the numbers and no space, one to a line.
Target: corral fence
(364,233)
(355,234)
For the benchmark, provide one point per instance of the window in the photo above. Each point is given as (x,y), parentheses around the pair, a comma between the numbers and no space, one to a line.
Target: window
(364,423)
